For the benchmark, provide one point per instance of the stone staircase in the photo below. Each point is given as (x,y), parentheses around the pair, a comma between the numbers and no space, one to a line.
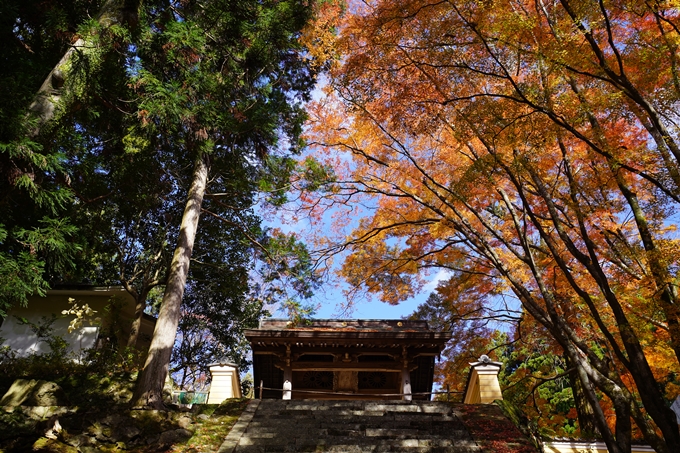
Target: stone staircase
(362,426)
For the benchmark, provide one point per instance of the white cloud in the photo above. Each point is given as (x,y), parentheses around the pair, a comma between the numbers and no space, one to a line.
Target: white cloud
(442,274)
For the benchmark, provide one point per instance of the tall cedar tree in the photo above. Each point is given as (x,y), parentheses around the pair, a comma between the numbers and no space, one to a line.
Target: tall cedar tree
(142,103)
(221,81)
(36,240)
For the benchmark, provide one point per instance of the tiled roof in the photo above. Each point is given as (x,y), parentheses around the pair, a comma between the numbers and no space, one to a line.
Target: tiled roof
(377,325)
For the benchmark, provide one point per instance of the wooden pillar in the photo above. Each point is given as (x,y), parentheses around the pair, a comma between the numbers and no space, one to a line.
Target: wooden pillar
(287,377)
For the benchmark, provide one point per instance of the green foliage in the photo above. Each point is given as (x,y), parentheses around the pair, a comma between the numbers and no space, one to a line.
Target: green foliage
(53,239)
(21,276)
(315,174)
(92,368)
(536,378)
(35,36)
(248,386)
(310,175)
(15,424)
(28,180)
(115,324)
(287,269)
(36,241)
(298,313)
(533,377)
(97,197)
(26,254)
(275,182)
(233,406)
(101,375)
(470,336)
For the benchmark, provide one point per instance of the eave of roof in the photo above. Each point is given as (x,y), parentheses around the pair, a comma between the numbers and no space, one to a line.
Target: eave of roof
(346,324)
(253,334)
(85,290)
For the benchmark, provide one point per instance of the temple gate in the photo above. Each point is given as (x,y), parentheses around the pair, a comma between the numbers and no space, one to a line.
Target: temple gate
(345,359)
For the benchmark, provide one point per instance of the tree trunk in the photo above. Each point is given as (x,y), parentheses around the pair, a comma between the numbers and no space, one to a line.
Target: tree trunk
(44,105)
(140,306)
(586,416)
(149,391)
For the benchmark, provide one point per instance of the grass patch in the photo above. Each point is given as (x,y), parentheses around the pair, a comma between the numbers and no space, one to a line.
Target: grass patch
(209,434)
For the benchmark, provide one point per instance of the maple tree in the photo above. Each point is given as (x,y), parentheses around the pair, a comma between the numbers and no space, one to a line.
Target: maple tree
(457,307)
(539,378)
(535,375)
(531,145)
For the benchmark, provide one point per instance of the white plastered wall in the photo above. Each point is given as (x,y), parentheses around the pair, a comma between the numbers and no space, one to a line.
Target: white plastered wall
(23,341)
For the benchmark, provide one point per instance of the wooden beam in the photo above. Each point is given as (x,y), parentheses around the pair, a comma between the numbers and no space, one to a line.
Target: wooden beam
(375,337)
(378,350)
(342,366)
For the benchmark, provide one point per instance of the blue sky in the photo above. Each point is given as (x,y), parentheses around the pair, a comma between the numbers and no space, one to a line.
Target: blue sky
(329,299)
(373,309)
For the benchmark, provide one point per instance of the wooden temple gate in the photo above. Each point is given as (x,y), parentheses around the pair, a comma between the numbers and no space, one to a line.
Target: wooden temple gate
(345,359)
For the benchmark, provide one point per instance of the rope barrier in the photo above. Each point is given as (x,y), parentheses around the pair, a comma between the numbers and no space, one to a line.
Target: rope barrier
(322,392)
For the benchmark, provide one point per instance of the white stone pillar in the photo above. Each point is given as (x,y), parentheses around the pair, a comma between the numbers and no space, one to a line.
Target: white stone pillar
(406,384)
(225,382)
(287,383)
(483,386)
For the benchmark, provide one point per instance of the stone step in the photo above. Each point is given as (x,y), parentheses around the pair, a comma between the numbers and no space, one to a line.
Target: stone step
(259,428)
(352,427)
(375,409)
(383,443)
(398,406)
(357,423)
(353,448)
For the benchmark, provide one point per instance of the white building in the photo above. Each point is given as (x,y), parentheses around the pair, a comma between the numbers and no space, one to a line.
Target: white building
(23,341)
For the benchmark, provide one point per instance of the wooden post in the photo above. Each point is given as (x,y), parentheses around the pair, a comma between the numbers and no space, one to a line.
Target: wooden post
(405,375)
(287,390)
(261,385)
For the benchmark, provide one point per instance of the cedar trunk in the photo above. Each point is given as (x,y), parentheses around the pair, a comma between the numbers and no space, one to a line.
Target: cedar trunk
(140,306)
(149,391)
(44,105)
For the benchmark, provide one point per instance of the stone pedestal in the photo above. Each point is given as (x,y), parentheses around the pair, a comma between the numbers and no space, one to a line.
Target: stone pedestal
(225,382)
(483,386)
